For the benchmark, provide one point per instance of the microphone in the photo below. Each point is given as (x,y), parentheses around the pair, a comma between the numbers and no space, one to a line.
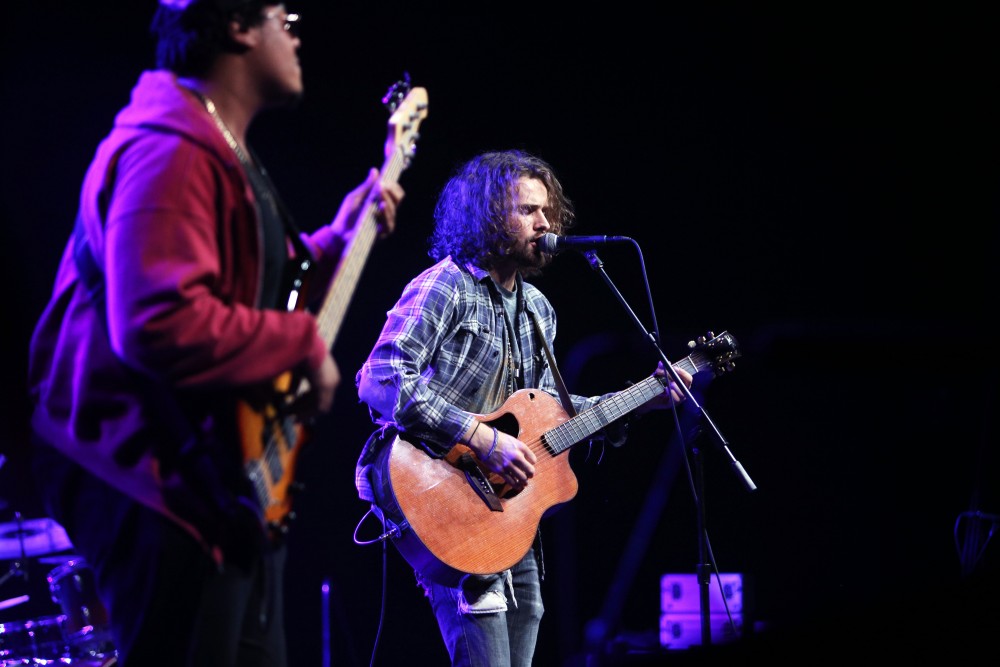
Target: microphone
(551,243)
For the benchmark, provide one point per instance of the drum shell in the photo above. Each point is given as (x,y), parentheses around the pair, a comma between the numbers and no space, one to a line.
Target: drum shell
(74,589)
(41,638)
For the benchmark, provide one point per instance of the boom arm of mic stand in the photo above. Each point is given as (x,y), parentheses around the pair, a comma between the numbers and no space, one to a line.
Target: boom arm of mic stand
(597,265)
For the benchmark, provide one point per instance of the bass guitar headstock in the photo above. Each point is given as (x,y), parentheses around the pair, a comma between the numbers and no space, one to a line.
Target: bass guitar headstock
(408,107)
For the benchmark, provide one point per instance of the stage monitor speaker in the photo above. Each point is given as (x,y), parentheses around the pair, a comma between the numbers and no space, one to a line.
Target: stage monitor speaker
(681,630)
(680,593)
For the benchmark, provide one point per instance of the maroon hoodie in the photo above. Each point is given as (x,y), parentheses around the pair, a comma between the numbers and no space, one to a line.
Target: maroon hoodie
(171,221)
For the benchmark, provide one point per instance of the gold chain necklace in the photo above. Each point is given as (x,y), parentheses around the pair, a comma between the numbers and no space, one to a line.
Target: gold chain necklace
(253,171)
(219,123)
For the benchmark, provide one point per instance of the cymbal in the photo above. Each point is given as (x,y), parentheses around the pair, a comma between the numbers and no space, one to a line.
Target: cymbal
(60,559)
(32,537)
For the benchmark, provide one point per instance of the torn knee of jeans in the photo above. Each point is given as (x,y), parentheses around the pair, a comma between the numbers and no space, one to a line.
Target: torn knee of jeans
(490,602)
(483,594)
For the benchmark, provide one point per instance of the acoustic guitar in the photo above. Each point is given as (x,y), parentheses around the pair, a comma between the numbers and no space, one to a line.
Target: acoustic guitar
(453,516)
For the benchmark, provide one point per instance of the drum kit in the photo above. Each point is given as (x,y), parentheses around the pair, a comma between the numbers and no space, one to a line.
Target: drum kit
(55,619)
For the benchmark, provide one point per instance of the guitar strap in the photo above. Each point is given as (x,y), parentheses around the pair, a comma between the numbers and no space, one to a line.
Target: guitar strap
(291,228)
(563,393)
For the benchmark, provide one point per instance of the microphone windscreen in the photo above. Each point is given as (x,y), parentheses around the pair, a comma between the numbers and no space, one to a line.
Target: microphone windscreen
(549,243)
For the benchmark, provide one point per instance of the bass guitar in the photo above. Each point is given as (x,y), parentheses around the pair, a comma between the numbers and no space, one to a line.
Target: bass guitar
(271,437)
(453,516)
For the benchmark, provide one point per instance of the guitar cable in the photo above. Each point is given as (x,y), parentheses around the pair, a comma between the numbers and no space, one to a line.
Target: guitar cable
(385,587)
(392,532)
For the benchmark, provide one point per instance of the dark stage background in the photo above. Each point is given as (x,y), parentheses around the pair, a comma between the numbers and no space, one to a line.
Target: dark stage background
(818,181)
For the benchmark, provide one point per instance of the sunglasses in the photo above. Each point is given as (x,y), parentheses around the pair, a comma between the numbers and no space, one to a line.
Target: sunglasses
(291,21)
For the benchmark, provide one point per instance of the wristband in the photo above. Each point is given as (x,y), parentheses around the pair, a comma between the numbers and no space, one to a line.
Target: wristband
(493,447)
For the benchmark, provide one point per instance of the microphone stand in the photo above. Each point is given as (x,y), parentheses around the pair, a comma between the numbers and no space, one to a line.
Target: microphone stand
(704,568)
(16,569)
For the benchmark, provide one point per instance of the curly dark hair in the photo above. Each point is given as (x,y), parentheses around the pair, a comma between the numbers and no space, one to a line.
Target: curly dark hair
(473,208)
(190,36)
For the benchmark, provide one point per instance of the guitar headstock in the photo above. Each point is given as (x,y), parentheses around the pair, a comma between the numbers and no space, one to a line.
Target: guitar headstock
(408,107)
(716,353)
(397,93)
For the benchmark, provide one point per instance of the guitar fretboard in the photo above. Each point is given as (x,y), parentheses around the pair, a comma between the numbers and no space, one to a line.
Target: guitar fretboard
(330,316)
(592,420)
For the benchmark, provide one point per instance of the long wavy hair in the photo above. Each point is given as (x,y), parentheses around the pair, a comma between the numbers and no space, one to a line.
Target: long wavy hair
(475,204)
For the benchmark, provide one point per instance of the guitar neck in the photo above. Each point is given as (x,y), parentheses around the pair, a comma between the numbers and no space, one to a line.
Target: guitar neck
(592,420)
(330,315)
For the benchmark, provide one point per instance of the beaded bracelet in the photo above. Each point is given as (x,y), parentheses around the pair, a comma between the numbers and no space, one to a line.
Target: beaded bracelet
(493,447)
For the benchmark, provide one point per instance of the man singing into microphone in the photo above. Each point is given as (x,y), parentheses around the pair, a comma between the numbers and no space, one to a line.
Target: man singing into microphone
(464,336)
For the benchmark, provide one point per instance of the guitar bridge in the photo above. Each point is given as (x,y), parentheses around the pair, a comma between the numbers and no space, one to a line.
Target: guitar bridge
(479,482)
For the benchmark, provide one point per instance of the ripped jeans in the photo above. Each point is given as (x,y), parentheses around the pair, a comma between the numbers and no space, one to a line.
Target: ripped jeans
(490,621)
